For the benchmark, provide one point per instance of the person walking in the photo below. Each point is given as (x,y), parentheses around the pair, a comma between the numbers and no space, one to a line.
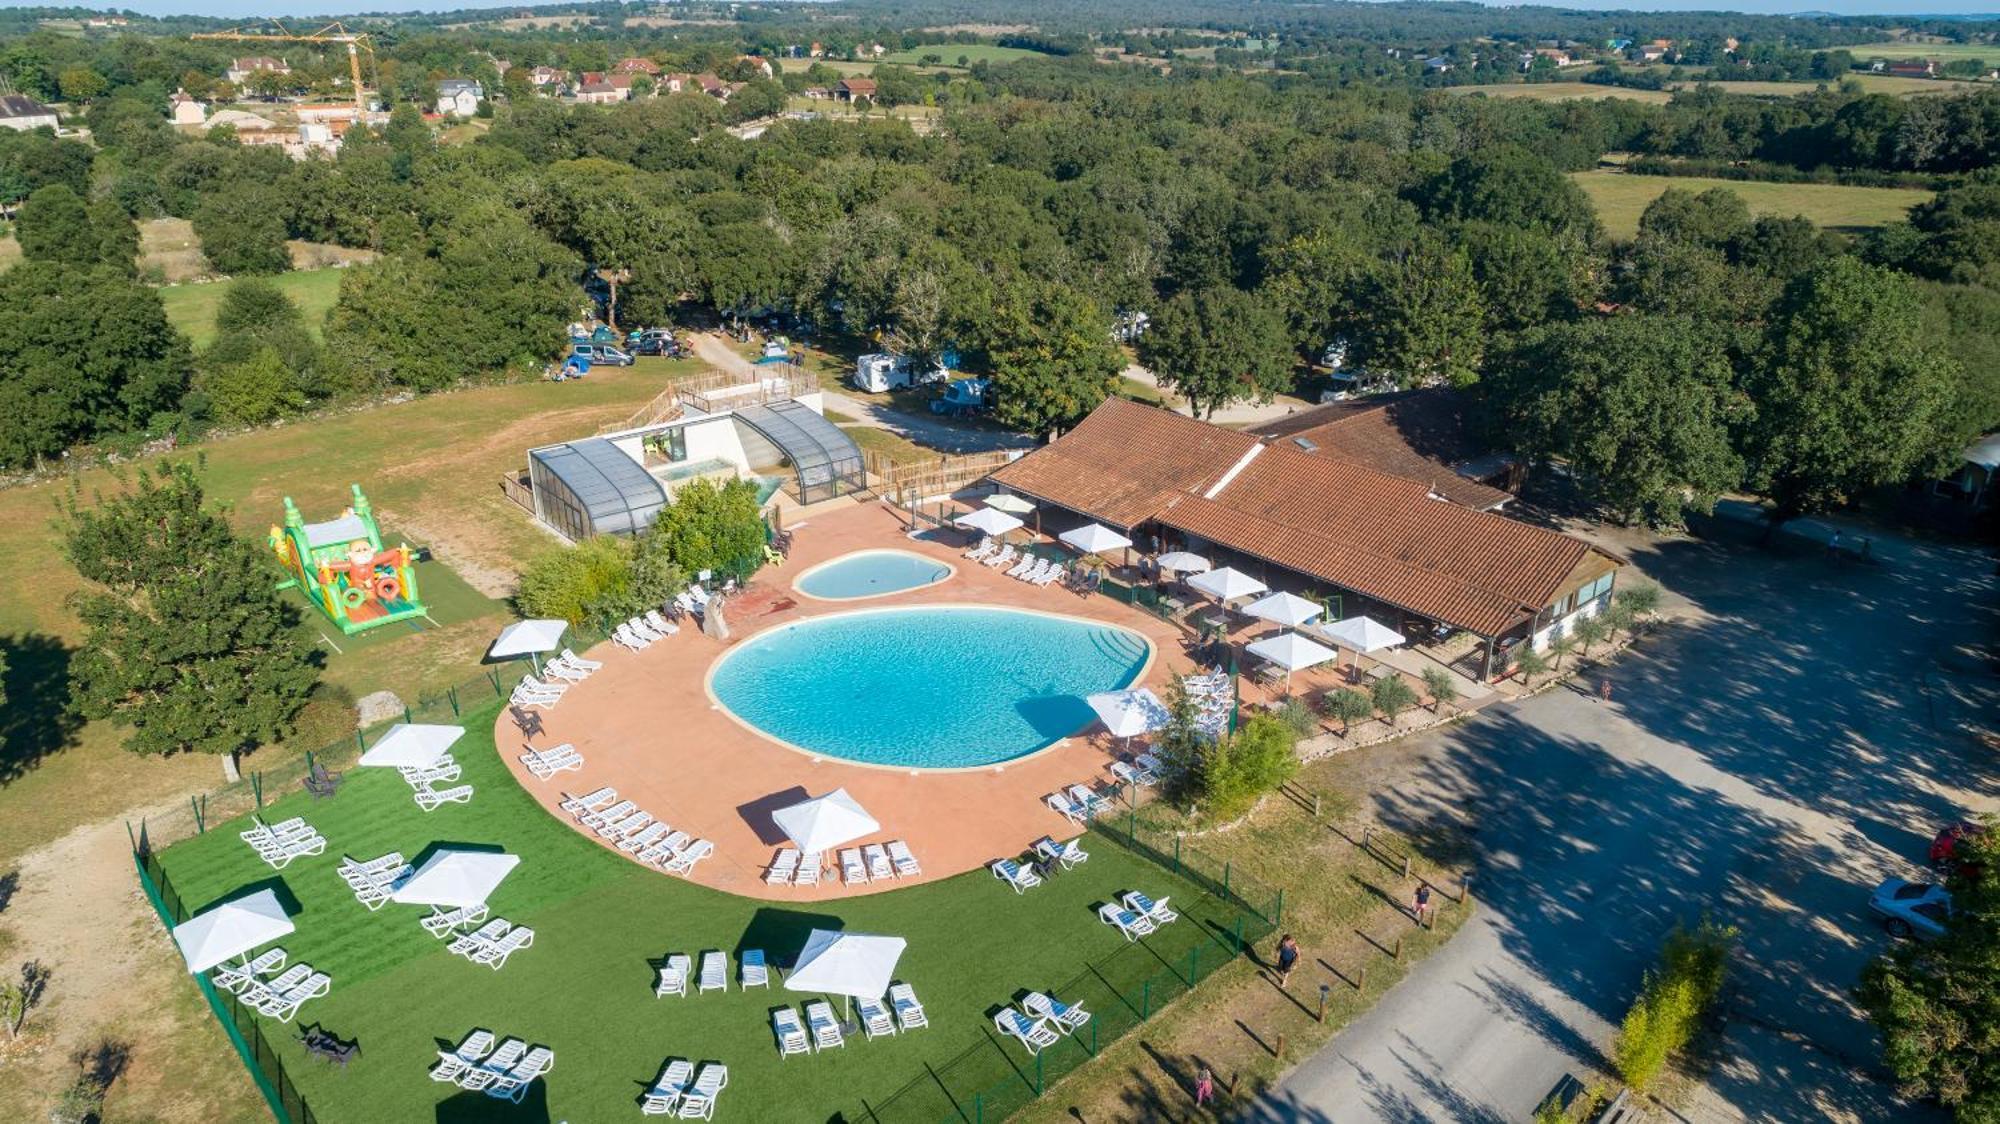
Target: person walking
(1288,959)
(1204,1087)
(1604,690)
(1421,904)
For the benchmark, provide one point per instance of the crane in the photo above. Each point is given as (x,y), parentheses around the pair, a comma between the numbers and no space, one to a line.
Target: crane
(271,31)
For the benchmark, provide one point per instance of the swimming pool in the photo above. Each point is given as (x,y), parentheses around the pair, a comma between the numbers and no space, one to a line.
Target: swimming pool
(870,573)
(937,687)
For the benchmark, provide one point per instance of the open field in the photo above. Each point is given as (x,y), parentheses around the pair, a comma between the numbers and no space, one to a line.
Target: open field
(1621,198)
(601,921)
(1913,49)
(848,67)
(1872,83)
(971,52)
(1565,91)
(192,306)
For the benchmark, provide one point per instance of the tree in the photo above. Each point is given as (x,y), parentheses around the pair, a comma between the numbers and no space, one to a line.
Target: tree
(1317,282)
(256,320)
(1933,1000)
(1509,184)
(1348,706)
(1052,356)
(1424,319)
(1181,746)
(242,229)
(258,388)
(187,643)
(54,225)
(1259,758)
(1639,408)
(582,584)
(1561,645)
(1392,696)
(18,1000)
(1441,686)
(1853,394)
(1217,345)
(711,527)
(1530,663)
(81,85)
(1591,631)
(83,353)
(1714,219)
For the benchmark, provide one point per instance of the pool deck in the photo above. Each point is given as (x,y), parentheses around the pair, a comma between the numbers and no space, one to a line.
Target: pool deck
(646,726)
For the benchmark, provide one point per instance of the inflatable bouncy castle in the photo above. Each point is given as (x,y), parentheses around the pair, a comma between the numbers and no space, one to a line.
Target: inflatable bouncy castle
(343,569)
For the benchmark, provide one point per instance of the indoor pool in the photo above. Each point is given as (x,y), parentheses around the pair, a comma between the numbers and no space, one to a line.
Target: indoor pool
(933,687)
(871,573)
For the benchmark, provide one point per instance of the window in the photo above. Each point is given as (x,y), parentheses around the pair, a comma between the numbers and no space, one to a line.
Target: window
(671,445)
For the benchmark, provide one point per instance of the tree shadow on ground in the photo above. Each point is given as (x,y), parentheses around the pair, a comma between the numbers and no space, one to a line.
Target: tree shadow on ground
(782,934)
(36,720)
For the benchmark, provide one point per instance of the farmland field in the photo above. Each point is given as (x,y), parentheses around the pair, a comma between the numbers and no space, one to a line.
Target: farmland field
(1565,91)
(1872,83)
(973,52)
(1621,197)
(1943,52)
(192,307)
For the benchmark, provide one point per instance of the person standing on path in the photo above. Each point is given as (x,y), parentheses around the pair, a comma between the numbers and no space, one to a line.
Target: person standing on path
(1421,904)
(1204,1087)
(1604,690)
(1288,959)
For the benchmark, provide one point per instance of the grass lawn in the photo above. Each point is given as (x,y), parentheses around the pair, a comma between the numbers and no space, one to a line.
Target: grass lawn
(972,52)
(1565,91)
(1621,198)
(192,306)
(899,449)
(1941,51)
(585,987)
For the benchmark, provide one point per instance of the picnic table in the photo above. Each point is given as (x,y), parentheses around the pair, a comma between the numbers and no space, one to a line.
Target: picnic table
(327,1046)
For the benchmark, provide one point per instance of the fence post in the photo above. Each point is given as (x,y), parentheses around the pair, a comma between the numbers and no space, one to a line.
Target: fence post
(1323,989)
(257,787)
(493,677)
(406,715)
(1399,948)
(451,693)
(195,802)
(1406,866)
(1131,825)
(360,742)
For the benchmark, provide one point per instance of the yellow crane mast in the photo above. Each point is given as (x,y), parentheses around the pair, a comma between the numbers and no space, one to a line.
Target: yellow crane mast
(272,31)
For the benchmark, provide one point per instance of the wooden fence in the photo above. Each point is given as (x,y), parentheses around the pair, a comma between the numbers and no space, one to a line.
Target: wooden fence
(910,481)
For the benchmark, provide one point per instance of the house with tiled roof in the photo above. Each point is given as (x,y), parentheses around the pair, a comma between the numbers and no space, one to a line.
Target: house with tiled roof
(1380,543)
(1419,435)
(854,89)
(21,113)
(240,70)
(637,65)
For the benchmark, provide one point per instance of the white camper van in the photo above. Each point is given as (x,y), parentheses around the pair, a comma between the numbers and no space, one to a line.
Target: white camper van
(881,371)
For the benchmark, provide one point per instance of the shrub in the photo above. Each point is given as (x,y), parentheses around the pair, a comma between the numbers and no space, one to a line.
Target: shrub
(1181,748)
(328,716)
(1298,718)
(1238,771)
(1591,631)
(1392,697)
(582,583)
(1672,1001)
(1530,663)
(259,389)
(1441,686)
(1348,706)
(714,528)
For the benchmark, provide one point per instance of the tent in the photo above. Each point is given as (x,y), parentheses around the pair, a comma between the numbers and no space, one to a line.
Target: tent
(1128,714)
(1226,584)
(988,521)
(1182,562)
(1009,503)
(846,964)
(455,878)
(411,745)
(1094,538)
(1362,635)
(231,929)
(825,822)
(528,638)
(1292,652)
(1283,608)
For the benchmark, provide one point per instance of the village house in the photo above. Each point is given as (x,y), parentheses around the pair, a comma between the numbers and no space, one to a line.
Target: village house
(459,97)
(594,87)
(637,65)
(854,89)
(760,65)
(542,77)
(241,70)
(185,110)
(1914,68)
(21,113)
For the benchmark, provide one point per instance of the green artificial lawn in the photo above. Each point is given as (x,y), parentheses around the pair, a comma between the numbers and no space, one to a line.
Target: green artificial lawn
(585,988)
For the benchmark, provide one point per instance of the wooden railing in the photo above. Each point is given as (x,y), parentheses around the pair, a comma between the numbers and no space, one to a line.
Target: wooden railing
(721,390)
(514,485)
(665,407)
(909,481)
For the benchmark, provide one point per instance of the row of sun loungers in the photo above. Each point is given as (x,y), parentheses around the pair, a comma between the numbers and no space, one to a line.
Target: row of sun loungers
(1142,771)
(371,881)
(1077,803)
(1040,1021)
(505,1073)
(644,631)
(424,779)
(446,923)
(1005,556)
(675,971)
(822,1031)
(546,763)
(636,832)
(279,845)
(492,943)
(281,996)
(535,694)
(1038,571)
(876,862)
(570,667)
(680,1093)
(1136,915)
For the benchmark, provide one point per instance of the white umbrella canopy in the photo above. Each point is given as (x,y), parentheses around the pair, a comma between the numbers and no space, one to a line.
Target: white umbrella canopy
(825,822)
(1009,503)
(231,929)
(988,521)
(455,878)
(1362,634)
(1182,562)
(1127,714)
(1226,584)
(524,638)
(1094,538)
(846,964)
(411,745)
(1283,608)
(1292,652)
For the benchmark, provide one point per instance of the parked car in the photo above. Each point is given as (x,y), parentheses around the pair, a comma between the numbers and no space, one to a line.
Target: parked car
(659,345)
(964,397)
(1944,848)
(1912,909)
(603,354)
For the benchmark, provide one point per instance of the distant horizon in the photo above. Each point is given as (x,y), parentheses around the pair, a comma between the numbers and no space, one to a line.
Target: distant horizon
(289,9)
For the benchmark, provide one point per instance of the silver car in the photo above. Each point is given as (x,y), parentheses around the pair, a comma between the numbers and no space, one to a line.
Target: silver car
(1912,909)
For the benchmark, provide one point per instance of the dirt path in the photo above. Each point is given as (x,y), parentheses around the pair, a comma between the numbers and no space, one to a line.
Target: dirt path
(115,977)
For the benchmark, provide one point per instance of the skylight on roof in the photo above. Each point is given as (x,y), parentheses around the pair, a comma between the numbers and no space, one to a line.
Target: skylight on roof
(1306,444)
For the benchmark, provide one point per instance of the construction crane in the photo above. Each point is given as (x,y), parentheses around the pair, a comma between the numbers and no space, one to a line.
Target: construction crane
(272,31)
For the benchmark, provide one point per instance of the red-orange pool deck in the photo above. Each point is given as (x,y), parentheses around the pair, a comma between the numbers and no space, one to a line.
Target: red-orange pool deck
(645,724)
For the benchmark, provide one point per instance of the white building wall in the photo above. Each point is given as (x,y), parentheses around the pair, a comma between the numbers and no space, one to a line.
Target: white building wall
(1561,625)
(715,439)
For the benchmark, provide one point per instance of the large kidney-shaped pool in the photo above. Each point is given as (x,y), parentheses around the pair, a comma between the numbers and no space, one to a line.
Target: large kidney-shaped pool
(932,687)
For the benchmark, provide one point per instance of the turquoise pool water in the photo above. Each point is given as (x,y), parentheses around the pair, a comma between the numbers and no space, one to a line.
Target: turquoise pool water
(926,688)
(871,573)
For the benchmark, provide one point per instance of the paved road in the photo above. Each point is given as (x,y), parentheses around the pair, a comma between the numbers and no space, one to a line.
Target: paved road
(1764,763)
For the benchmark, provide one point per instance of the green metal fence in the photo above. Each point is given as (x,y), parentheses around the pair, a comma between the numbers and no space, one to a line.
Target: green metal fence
(996,1077)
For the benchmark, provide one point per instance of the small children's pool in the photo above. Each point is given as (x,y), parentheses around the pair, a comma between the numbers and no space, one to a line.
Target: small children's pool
(870,573)
(936,687)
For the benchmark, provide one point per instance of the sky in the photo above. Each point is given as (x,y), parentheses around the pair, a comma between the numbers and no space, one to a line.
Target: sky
(250,9)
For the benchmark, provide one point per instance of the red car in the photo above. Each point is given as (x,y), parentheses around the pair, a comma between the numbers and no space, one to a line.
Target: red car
(1946,843)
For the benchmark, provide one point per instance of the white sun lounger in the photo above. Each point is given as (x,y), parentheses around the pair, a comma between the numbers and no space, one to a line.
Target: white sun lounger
(489,1071)
(906,863)
(430,799)
(598,817)
(1060,804)
(445,922)
(513,1085)
(751,971)
(1060,1015)
(1089,801)
(1055,573)
(234,978)
(465,944)
(1069,853)
(909,1012)
(791,1036)
(1022,565)
(645,631)
(874,1017)
(285,1005)
(879,867)
(683,863)
(533,702)
(625,825)
(660,624)
(673,978)
(1133,925)
(980,551)
(782,868)
(852,871)
(665,1095)
(646,837)
(1150,764)
(825,1029)
(575,660)
(810,865)
(457,1063)
(495,953)
(1007,555)
(714,971)
(1154,911)
(663,850)
(699,1101)
(373,895)
(565,672)
(1032,1033)
(443,769)
(578,805)
(546,763)
(1126,774)
(1016,875)
(627,638)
